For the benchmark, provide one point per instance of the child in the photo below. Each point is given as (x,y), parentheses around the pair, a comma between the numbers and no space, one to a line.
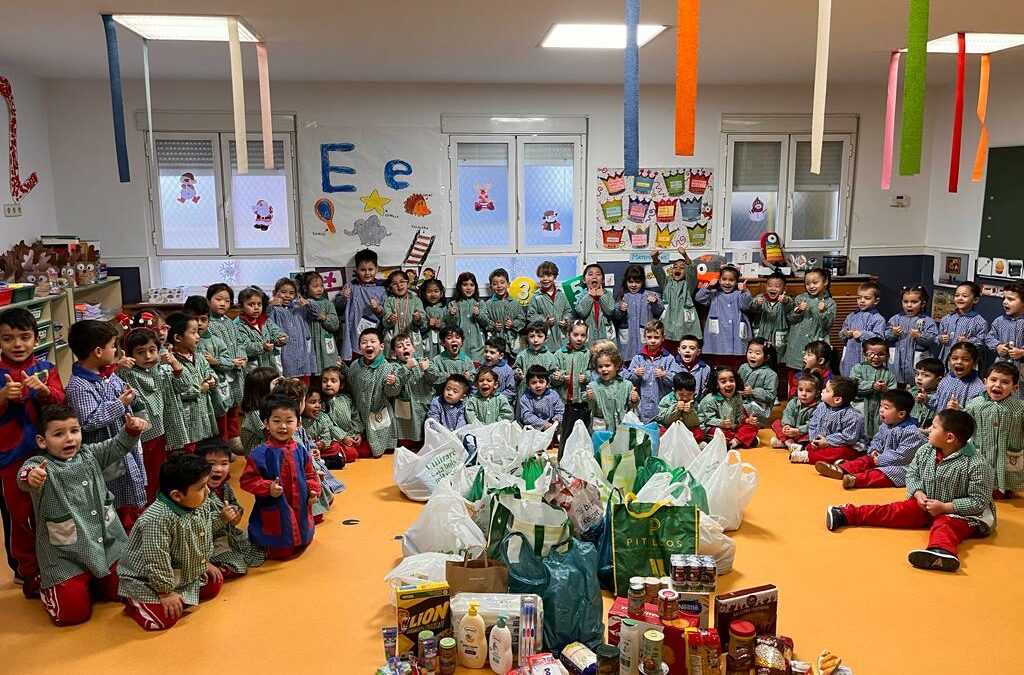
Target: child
(651,371)
(322,432)
(963,323)
(258,385)
(166,564)
(550,305)
(374,382)
(215,352)
(403,313)
(889,452)
(434,308)
(338,404)
(927,375)
(723,409)
(597,307)
(27,384)
(911,333)
(535,354)
(817,355)
(680,405)
(677,289)
(999,421)
(835,430)
(153,383)
(102,399)
(464,313)
(1006,336)
(571,378)
(449,407)
(609,395)
(452,361)
(293,314)
(220,297)
(860,325)
(540,407)
(233,553)
(961,383)
(760,380)
(488,405)
(727,329)
(769,309)
(259,338)
(689,361)
(810,317)
(502,315)
(637,307)
(791,430)
(325,321)
(496,358)
(81,541)
(360,303)
(193,380)
(280,474)
(873,378)
(412,402)
(949,490)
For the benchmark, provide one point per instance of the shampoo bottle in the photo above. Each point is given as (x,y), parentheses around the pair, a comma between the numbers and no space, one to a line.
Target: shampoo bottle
(500,648)
(472,639)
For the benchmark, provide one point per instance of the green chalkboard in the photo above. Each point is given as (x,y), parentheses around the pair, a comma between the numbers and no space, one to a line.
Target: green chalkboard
(1002,220)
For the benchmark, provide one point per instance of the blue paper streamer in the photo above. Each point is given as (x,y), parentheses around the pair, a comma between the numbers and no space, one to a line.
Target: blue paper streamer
(631,96)
(116,98)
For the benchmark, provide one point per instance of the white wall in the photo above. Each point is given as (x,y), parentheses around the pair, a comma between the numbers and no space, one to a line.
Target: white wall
(37,207)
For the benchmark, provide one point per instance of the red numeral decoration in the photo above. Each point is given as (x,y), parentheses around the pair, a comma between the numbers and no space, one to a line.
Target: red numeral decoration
(18,188)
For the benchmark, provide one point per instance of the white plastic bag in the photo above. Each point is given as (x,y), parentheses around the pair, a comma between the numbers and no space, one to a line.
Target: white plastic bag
(443,526)
(533,441)
(713,454)
(578,459)
(497,446)
(678,446)
(715,542)
(423,568)
(730,488)
(417,474)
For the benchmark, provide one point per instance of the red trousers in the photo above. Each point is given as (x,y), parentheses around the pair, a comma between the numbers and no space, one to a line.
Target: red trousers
(19,521)
(746,434)
(190,448)
(154,454)
(350,452)
(415,446)
(70,602)
(128,515)
(864,471)
(946,531)
(229,424)
(830,454)
(777,428)
(151,615)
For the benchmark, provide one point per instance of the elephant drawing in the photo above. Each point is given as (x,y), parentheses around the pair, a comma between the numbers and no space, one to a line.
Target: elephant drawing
(370,230)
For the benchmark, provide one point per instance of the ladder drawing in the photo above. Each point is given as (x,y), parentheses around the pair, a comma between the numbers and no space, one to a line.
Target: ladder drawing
(419,249)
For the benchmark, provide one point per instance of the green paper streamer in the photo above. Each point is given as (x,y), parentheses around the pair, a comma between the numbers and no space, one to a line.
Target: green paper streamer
(912,121)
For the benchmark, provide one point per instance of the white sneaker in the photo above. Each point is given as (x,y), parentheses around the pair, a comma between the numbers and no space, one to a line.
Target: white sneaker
(793,445)
(798,457)
(776,443)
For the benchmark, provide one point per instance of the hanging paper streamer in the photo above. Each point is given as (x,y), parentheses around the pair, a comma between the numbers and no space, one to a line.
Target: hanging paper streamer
(687,33)
(18,188)
(820,83)
(979,156)
(631,97)
(890,120)
(116,98)
(912,121)
(268,142)
(149,97)
(238,96)
(958,115)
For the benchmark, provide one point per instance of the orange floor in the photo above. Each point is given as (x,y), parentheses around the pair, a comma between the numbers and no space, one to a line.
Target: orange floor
(852,592)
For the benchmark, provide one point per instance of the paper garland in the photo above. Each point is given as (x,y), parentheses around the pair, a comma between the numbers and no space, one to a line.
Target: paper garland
(116,98)
(820,84)
(631,94)
(18,188)
(267,129)
(149,98)
(890,120)
(958,114)
(912,122)
(687,34)
(979,156)
(238,96)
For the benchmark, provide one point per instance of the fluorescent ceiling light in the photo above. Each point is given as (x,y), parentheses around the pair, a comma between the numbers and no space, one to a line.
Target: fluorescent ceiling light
(596,35)
(975,43)
(180,27)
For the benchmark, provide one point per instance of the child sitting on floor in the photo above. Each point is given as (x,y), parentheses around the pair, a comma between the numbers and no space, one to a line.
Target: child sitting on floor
(760,381)
(999,419)
(949,490)
(927,375)
(487,405)
(836,430)
(873,379)
(817,356)
(723,409)
(233,553)
(540,407)
(680,405)
(337,403)
(791,430)
(609,395)
(449,407)
(322,431)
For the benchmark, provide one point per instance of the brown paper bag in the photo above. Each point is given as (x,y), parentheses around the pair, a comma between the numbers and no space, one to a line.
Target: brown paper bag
(484,575)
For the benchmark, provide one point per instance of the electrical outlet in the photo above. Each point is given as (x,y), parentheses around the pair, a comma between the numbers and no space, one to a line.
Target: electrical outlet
(900,201)
(12,210)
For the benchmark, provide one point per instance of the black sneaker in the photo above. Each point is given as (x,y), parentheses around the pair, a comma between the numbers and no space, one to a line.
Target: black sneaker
(934,559)
(834,518)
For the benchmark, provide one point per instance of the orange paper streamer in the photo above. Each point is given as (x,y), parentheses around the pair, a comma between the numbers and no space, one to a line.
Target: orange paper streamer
(687,30)
(979,156)
(264,73)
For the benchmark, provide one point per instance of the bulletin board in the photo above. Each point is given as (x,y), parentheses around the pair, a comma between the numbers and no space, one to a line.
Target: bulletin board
(1001,247)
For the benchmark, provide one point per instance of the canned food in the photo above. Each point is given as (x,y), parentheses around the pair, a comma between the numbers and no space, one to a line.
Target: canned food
(692,570)
(651,587)
(651,650)
(668,604)
(708,575)
(678,563)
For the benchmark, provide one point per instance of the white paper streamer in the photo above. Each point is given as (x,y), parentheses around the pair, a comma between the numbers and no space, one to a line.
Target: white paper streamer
(149,99)
(238,96)
(820,84)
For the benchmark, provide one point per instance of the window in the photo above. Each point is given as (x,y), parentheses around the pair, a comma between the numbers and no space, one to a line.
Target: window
(770,188)
(211,223)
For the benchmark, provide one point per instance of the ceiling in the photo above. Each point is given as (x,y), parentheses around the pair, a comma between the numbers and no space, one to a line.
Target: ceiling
(481,41)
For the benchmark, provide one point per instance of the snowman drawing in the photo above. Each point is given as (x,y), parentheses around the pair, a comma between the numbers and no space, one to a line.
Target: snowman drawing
(188,189)
(264,214)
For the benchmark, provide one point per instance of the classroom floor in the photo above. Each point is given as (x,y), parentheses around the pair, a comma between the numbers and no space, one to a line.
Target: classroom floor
(852,592)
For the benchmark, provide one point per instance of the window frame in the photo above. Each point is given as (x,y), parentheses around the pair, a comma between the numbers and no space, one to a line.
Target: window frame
(454,197)
(845,195)
(726,207)
(579,201)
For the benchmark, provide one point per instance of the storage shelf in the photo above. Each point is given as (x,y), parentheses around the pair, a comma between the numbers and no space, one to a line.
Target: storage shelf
(33,302)
(82,290)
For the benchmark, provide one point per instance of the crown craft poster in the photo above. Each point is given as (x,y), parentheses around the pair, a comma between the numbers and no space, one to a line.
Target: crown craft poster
(657,208)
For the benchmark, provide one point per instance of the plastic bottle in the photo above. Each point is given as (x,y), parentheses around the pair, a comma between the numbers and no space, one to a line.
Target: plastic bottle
(629,647)
(472,637)
(500,647)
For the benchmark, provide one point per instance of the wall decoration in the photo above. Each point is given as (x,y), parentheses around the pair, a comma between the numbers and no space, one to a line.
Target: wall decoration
(890,119)
(237,94)
(374,202)
(19,188)
(419,249)
(912,122)
(709,268)
(369,230)
(953,267)
(687,40)
(324,210)
(979,155)
(266,129)
(757,212)
(416,205)
(188,188)
(550,224)
(631,92)
(264,215)
(522,289)
(116,97)
(958,114)
(820,83)
(483,197)
(678,201)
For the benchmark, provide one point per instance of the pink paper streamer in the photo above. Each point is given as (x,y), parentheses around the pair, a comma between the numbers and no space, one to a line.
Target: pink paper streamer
(264,71)
(890,120)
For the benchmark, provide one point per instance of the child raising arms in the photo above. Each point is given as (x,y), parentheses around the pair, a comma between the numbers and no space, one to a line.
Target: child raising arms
(677,289)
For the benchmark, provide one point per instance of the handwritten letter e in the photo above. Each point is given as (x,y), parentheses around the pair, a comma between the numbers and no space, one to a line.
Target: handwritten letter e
(326,168)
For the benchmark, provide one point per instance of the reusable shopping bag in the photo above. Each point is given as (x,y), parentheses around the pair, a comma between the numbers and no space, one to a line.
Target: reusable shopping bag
(644,536)
(540,524)
(417,474)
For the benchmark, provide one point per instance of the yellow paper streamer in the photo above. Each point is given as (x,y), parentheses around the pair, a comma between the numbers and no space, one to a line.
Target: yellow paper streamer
(820,83)
(268,141)
(238,96)
(979,156)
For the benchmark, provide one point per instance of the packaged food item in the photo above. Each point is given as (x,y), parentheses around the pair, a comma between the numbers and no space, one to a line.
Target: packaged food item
(741,635)
(770,656)
(421,640)
(543,664)
(651,587)
(447,654)
(607,660)
(668,604)
(629,647)
(648,620)
(703,652)
(652,645)
(758,605)
(430,663)
(419,608)
(696,604)
(579,659)
(636,599)
(666,582)
(390,636)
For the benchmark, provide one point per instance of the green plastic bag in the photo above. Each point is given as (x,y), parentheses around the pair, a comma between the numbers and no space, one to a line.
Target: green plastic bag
(644,536)
(533,469)
(622,453)
(652,466)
